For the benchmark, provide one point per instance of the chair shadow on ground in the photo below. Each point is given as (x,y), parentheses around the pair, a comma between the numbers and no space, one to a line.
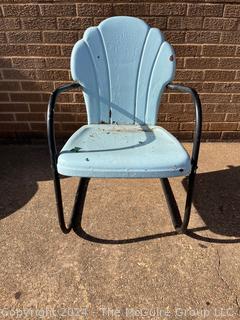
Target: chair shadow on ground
(217,201)
(216,198)
(22,167)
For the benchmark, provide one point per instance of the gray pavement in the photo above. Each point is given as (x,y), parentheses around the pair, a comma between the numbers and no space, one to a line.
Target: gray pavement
(128,263)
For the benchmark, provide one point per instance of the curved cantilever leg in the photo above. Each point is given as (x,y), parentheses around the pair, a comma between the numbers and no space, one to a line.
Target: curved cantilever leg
(82,188)
(179,224)
(78,202)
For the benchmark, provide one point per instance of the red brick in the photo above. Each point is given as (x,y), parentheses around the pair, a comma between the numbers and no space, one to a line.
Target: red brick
(29,63)
(24,36)
(218,50)
(161,117)
(30,116)
(78,97)
(223,126)
(179,98)
(179,62)
(39,23)
(6,117)
(43,50)
(179,117)
(232,10)
(231,107)
(202,37)
(201,63)
(170,126)
(5,63)
(183,135)
(13,107)
(230,37)
(190,126)
(25,97)
(205,10)
(229,63)
(52,75)
(60,37)
(185,23)
(41,127)
(3,37)
(168,9)
(231,135)
(13,50)
(227,87)
(14,127)
(37,86)
(72,107)
(95,9)
(66,50)
(186,50)
(214,117)
(219,75)
(23,10)
(75,23)
(220,24)
(81,118)
(64,117)
(211,135)
(207,107)
(10,24)
(233,117)
(38,107)
(175,36)
(235,98)
(9,86)
(66,97)
(189,75)
(58,10)
(131,9)
(4,96)
(58,63)
(154,22)
(210,98)
(19,74)
(171,107)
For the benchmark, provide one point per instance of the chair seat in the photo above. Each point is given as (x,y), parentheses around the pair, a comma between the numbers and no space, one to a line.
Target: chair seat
(123,151)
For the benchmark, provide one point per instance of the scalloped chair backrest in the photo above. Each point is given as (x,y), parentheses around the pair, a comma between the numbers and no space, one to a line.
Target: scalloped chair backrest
(123,66)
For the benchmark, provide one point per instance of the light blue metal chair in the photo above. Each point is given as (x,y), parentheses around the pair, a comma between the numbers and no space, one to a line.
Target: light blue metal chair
(123,67)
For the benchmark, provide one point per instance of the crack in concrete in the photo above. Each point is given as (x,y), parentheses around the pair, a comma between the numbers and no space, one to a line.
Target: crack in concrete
(226,282)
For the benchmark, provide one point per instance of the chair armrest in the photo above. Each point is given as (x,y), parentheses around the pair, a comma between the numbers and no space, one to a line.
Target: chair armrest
(50,119)
(198,120)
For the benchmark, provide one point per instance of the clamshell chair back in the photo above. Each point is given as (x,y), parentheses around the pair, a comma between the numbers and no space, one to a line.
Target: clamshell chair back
(123,66)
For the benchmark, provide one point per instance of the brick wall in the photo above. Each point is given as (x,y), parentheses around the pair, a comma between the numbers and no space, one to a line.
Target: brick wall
(36,42)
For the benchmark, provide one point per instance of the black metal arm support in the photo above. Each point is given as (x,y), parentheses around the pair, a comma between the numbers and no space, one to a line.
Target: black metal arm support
(50,119)
(198,119)
(53,156)
(179,224)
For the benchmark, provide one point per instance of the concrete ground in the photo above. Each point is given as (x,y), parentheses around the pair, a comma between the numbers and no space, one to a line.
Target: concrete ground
(128,263)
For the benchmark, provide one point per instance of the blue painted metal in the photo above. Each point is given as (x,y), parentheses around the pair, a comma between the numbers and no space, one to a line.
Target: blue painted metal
(126,151)
(123,66)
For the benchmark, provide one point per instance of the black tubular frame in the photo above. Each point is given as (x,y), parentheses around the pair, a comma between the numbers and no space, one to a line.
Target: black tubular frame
(82,187)
(179,224)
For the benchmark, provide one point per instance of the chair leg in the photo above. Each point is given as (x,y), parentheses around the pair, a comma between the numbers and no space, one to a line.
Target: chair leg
(179,224)
(78,202)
